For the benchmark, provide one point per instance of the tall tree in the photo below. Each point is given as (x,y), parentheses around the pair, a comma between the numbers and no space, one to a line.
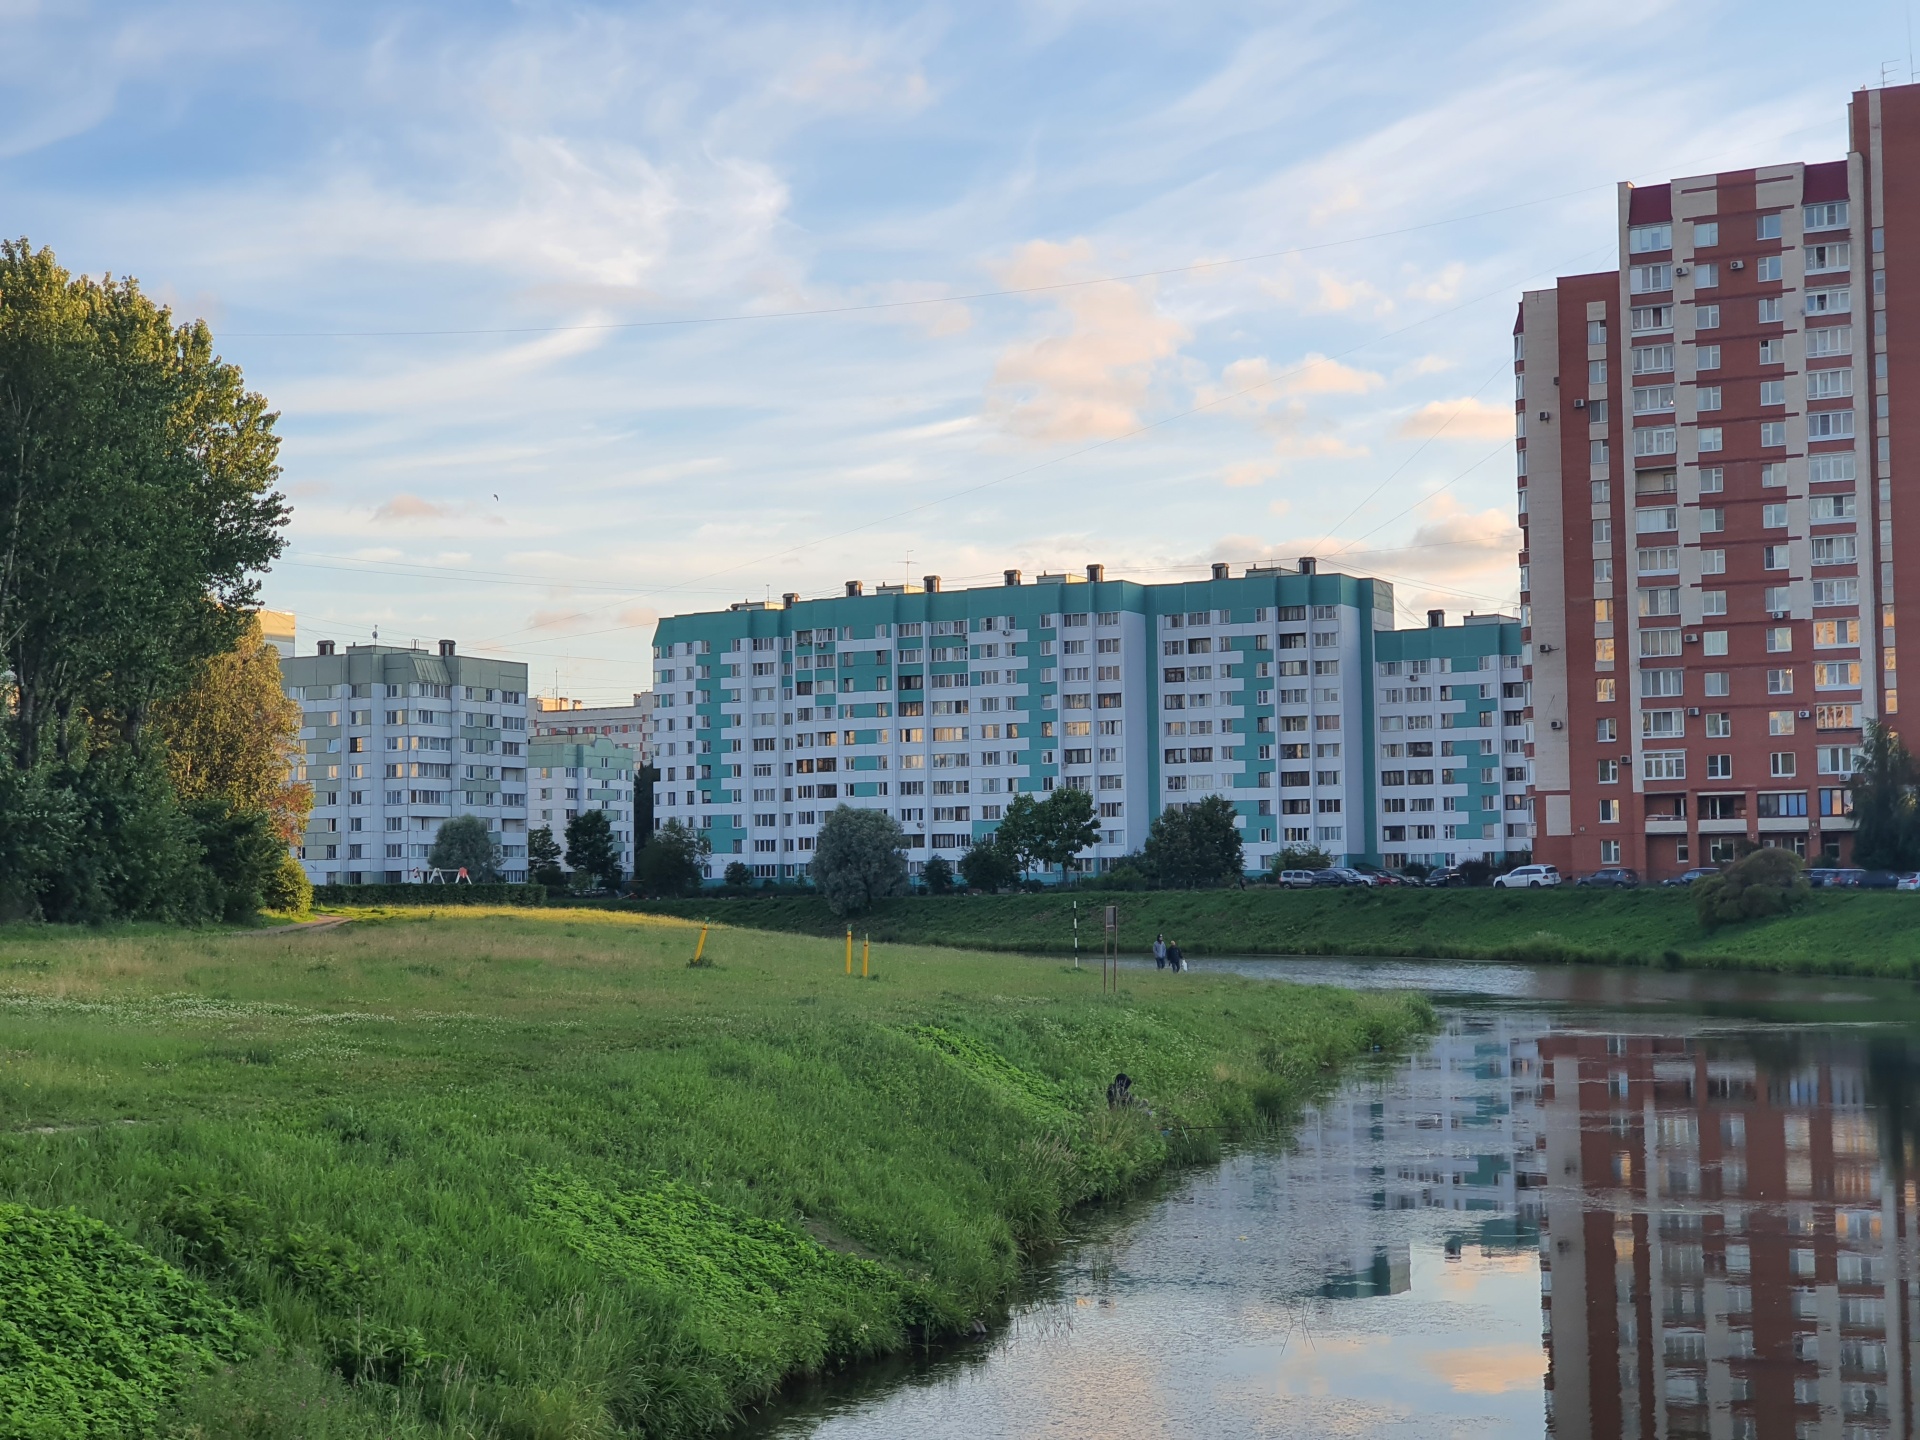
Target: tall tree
(1886,821)
(543,857)
(136,502)
(590,848)
(673,860)
(233,735)
(1195,845)
(464,843)
(1067,826)
(859,857)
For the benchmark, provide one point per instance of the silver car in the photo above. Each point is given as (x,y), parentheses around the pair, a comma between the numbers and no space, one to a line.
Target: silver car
(1527,877)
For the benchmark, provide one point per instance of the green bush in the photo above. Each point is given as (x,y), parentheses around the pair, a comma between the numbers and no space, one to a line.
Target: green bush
(288,890)
(1767,882)
(501,894)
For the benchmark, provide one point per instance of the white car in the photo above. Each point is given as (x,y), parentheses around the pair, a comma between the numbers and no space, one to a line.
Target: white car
(1527,877)
(1909,882)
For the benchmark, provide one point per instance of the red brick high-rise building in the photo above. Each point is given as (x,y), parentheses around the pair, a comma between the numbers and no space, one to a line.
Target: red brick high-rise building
(1718,545)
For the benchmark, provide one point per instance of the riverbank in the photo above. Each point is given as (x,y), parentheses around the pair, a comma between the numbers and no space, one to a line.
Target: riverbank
(530,1174)
(1837,932)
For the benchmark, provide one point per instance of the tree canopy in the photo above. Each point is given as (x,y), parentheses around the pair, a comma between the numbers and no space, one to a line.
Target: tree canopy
(1195,845)
(1886,817)
(543,857)
(591,849)
(464,843)
(859,857)
(672,860)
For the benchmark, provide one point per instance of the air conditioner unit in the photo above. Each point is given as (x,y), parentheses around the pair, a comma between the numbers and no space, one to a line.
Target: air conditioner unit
(1693,639)
(1679,269)
(1693,711)
(1579,404)
(1805,714)
(1736,264)
(1779,614)
(1556,725)
(1546,414)
(1544,649)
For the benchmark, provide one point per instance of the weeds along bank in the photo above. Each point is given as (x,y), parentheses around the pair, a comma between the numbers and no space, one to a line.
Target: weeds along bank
(530,1175)
(1838,932)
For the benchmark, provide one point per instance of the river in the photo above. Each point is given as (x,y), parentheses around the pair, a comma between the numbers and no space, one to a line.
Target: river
(1598,1203)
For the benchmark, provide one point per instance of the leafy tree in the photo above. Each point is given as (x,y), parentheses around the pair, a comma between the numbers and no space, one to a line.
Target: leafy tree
(1195,845)
(464,843)
(1018,834)
(243,856)
(1067,826)
(645,777)
(136,503)
(739,875)
(1302,857)
(1886,819)
(859,857)
(288,890)
(938,875)
(671,863)
(1765,882)
(233,734)
(543,857)
(591,849)
(987,866)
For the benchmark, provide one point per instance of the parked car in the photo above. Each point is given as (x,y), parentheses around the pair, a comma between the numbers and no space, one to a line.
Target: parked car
(1355,877)
(1835,878)
(1617,877)
(1909,882)
(1297,879)
(1879,880)
(1699,872)
(1447,875)
(1527,877)
(1322,878)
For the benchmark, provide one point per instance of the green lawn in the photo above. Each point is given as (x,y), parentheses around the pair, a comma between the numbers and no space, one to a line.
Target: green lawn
(527,1174)
(1874,932)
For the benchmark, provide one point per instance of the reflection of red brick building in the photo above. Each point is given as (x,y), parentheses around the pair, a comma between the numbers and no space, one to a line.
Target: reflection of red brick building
(1716,549)
(1719,1255)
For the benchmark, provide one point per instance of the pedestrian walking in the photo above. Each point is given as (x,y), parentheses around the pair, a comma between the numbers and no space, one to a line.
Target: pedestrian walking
(1176,959)
(1159,952)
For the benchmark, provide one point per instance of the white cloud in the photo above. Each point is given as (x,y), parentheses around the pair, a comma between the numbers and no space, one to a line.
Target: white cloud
(1464,419)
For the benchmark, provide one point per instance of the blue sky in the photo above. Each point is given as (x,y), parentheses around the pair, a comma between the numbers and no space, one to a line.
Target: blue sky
(437,237)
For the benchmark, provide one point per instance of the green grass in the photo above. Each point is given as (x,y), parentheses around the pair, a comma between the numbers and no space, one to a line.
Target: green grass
(528,1174)
(1841,932)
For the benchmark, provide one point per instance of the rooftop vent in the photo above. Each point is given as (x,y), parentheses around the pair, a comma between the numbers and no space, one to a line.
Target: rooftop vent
(932,583)
(1219,570)
(1012,577)
(855,587)
(790,599)
(1436,619)
(1308,565)
(446,648)
(325,647)
(1096,573)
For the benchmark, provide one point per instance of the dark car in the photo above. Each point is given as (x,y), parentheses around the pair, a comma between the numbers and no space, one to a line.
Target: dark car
(1449,875)
(1835,878)
(1879,880)
(1333,876)
(1699,872)
(1616,877)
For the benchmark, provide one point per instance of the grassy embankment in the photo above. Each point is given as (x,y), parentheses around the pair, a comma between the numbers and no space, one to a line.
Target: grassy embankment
(527,1174)
(1841,932)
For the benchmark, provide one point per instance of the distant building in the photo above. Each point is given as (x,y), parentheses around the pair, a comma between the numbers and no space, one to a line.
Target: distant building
(278,629)
(396,741)
(567,776)
(624,724)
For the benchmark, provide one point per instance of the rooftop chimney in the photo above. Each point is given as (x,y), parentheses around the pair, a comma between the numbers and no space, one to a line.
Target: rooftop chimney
(790,599)
(1096,573)
(855,587)
(1219,570)
(1308,566)
(1436,619)
(446,649)
(325,647)
(1012,577)
(932,584)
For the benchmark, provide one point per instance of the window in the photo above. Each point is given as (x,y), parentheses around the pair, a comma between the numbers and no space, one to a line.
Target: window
(1834,300)
(1780,722)
(1706,233)
(1773,392)
(1830,425)
(1661,684)
(1647,399)
(1662,561)
(1706,317)
(1773,475)
(1837,675)
(1767,227)
(1773,517)
(1779,682)
(1644,238)
(1644,279)
(1773,352)
(1603,651)
(1663,765)
(1780,765)
(1769,312)
(1779,639)
(1831,507)
(1713,562)
(1657,440)
(1662,724)
(1652,359)
(1719,767)
(1774,557)
(1829,633)
(1711,438)
(1707,397)
(1824,468)
(1829,340)
(1719,725)
(1707,357)
(1602,532)
(1827,215)
(1767,267)
(1596,332)
(1706,275)
(1609,772)
(1609,812)
(1664,600)
(1653,319)
(1650,519)
(1597,452)
(1835,549)
(1596,372)
(1779,599)
(1713,642)
(1603,689)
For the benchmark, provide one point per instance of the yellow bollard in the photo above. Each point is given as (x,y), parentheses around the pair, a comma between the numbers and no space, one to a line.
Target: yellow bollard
(701,947)
(866,946)
(849,950)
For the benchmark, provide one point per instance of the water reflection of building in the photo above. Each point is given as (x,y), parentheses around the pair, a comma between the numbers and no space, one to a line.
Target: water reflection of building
(1458,1128)
(1719,1255)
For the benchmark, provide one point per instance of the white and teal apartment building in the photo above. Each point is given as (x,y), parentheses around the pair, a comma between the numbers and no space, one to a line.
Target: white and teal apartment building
(396,741)
(939,706)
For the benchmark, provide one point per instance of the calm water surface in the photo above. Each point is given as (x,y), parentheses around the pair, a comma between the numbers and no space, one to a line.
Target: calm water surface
(1599,1203)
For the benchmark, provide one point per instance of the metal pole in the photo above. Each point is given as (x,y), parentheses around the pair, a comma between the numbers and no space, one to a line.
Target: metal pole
(700,948)
(866,948)
(1076,941)
(849,950)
